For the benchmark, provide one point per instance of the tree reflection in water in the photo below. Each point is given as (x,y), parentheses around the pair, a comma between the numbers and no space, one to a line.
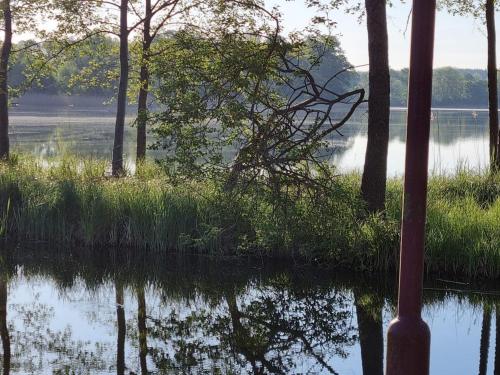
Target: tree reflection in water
(142,329)
(4,330)
(171,316)
(485,341)
(497,343)
(122,329)
(277,328)
(369,308)
(37,347)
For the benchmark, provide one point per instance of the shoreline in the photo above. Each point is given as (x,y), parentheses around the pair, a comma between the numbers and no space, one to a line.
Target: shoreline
(73,204)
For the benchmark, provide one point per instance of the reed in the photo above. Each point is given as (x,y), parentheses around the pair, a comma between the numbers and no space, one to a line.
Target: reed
(70,202)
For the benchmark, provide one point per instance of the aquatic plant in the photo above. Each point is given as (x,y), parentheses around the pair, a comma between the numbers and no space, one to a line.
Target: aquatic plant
(70,202)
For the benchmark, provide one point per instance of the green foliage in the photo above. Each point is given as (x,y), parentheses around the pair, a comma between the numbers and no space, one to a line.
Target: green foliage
(452,87)
(72,202)
(463,238)
(245,107)
(87,67)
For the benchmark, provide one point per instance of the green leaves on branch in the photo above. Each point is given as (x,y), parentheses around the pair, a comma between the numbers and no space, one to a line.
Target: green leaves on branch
(249,106)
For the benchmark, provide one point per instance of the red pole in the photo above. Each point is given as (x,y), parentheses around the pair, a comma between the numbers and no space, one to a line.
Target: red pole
(408,338)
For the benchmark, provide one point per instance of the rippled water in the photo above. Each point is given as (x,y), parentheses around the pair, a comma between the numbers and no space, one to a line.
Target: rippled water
(458,138)
(88,314)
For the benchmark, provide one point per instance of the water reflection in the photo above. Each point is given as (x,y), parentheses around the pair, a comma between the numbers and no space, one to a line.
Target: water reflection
(32,345)
(122,329)
(485,341)
(142,328)
(497,342)
(369,308)
(279,330)
(86,314)
(457,137)
(4,330)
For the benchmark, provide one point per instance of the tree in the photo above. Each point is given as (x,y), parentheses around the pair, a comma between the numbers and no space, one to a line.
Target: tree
(399,87)
(485,9)
(374,179)
(492,85)
(253,91)
(4,90)
(373,185)
(155,17)
(449,86)
(85,19)
(88,67)
(147,39)
(121,103)
(122,18)
(21,15)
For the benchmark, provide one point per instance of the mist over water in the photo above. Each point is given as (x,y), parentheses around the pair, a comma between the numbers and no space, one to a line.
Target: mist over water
(459,137)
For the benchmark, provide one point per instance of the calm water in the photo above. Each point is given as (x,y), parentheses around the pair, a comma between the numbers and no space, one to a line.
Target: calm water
(70,314)
(78,314)
(459,137)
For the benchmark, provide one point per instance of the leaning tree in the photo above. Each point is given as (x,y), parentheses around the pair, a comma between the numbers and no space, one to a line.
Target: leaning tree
(245,103)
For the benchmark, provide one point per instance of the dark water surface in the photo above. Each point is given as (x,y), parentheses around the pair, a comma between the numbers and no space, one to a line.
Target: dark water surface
(46,126)
(88,314)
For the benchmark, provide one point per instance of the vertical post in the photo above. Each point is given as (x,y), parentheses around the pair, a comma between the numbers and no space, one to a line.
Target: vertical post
(408,341)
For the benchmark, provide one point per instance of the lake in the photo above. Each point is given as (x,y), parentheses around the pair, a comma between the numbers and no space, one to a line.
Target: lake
(82,313)
(459,138)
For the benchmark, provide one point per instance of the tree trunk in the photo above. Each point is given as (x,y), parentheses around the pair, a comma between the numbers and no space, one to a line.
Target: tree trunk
(117,164)
(371,337)
(143,332)
(120,318)
(4,88)
(142,110)
(373,186)
(485,341)
(4,331)
(492,85)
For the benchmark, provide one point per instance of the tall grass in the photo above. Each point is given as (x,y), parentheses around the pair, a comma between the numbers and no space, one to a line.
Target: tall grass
(71,202)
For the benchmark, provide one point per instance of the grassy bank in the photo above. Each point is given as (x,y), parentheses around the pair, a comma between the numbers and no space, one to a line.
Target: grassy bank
(72,203)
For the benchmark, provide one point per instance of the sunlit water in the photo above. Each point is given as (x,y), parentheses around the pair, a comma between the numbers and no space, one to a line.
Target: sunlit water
(459,138)
(203,317)
(65,315)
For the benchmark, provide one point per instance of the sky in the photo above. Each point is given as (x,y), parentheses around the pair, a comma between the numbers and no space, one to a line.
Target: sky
(460,41)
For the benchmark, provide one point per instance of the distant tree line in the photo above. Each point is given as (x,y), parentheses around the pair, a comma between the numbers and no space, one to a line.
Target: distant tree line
(92,69)
(238,68)
(234,65)
(452,87)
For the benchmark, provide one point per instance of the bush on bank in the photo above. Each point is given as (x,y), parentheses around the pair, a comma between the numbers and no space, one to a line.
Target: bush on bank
(70,202)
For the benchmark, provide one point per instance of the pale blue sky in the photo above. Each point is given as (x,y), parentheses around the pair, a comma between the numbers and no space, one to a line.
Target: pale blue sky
(460,41)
